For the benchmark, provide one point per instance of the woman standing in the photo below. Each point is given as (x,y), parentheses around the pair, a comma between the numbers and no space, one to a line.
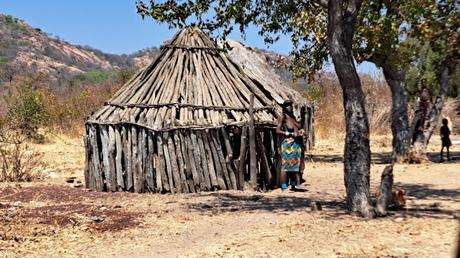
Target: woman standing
(290,147)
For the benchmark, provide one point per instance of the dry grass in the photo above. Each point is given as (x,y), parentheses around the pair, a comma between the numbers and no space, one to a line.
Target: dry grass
(62,110)
(329,117)
(68,108)
(18,162)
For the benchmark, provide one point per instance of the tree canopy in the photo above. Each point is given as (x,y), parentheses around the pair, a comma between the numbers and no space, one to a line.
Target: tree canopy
(382,25)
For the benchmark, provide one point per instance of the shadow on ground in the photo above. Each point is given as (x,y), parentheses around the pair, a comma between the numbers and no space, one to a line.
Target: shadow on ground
(434,203)
(383,157)
(427,191)
(231,202)
(332,209)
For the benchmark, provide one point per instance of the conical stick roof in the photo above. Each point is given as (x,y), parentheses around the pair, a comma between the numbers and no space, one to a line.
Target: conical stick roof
(192,83)
(256,67)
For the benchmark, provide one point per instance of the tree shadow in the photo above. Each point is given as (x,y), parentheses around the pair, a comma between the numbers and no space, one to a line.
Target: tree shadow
(432,205)
(236,202)
(228,202)
(427,191)
(383,157)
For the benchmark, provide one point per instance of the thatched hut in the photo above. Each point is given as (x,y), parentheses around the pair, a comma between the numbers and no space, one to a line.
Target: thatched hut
(191,121)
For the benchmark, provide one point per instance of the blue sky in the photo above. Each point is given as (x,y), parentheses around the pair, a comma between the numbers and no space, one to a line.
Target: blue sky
(112,26)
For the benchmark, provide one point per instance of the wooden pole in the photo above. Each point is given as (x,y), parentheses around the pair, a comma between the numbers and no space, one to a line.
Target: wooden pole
(192,158)
(112,165)
(88,171)
(118,158)
(200,157)
(226,167)
(149,163)
(129,159)
(161,173)
(181,163)
(264,161)
(168,163)
(215,167)
(141,159)
(157,165)
(252,145)
(135,162)
(188,165)
(242,158)
(174,167)
(99,186)
(105,156)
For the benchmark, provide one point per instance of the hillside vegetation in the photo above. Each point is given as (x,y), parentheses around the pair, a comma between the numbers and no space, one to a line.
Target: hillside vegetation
(28,50)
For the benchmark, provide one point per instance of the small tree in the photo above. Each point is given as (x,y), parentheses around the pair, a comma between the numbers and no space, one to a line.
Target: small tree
(25,111)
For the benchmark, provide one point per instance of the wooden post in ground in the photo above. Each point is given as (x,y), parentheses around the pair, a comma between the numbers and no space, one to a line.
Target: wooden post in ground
(252,146)
(242,159)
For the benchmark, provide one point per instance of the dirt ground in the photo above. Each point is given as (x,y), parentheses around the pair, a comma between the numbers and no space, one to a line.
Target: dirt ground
(50,218)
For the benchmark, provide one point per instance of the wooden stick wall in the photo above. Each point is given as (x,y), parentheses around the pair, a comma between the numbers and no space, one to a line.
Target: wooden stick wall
(134,158)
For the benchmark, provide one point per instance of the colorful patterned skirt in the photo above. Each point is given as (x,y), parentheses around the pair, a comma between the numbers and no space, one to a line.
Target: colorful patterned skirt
(291,154)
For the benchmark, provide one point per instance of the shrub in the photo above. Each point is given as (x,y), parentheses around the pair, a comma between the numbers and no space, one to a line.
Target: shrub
(67,109)
(17,161)
(25,111)
(3,60)
(13,23)
(98,76)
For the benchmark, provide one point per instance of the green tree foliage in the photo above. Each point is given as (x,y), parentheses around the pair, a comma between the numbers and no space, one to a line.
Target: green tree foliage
(382,27)
(13,23)
(425,65)
(98,76)
(3,60)
(25,108)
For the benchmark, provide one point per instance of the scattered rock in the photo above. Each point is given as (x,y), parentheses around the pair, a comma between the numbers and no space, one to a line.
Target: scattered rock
(77,184)
(71,179)
(316,206)
(435,205)
(52,174)
(7,219)
(103,208)
(97,219)
(206,206)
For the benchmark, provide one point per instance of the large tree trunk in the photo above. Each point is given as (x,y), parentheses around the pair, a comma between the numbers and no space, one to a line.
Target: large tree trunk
(399,119)
(422,139)
(341,26)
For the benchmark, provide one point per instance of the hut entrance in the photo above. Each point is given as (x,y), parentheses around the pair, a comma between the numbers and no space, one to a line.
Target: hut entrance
(190,121)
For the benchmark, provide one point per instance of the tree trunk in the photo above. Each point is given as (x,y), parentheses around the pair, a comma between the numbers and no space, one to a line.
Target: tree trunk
(399,118)
(422,140)
(386,185)
(341,26)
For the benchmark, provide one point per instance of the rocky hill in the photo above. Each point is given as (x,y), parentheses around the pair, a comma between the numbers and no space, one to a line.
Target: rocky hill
(25,50)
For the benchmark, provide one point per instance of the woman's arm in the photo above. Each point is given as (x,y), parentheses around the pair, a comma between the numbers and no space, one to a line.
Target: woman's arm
(279,124)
